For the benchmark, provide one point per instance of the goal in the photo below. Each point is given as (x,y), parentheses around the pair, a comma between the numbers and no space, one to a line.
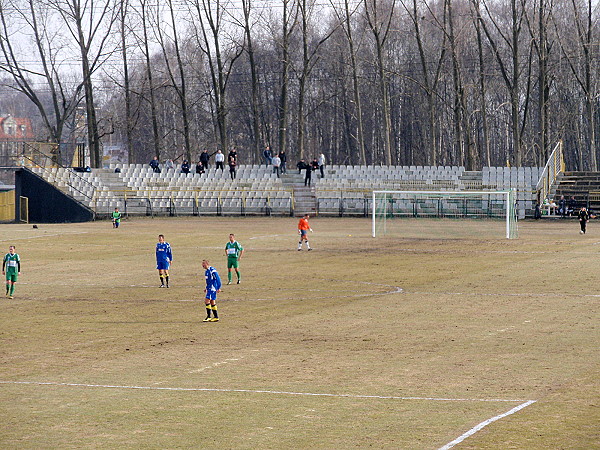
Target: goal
(498,206)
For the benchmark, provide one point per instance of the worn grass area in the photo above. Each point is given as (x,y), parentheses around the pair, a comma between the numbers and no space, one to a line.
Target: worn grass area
(407,336)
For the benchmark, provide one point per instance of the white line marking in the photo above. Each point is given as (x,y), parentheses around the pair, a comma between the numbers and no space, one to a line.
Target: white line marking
(268,236)
(26,238)
(485,423)
(252,391)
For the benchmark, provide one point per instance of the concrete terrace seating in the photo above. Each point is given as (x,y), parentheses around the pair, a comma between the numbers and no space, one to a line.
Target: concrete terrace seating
(344,186)
(256,190)
(138,189)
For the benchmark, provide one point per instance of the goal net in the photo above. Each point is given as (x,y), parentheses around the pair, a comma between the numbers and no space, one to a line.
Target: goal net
(496,208)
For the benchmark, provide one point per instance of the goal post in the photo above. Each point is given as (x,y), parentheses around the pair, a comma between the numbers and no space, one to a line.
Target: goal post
(391,205)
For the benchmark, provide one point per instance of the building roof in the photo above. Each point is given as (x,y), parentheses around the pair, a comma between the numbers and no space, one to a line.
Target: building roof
(15,128)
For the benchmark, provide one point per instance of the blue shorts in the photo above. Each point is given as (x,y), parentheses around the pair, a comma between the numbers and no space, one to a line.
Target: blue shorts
(211,295)
(303,232)
(162,265)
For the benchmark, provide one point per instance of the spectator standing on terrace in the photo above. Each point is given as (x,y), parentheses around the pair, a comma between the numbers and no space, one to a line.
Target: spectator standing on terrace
(205,158)
(232,155)
(185,167)
(308,174)
(301,165)
(276,161)
(154,164)
(220,160)
(169,164)
(267,154)
(283,158)
(321,164)
(232,161)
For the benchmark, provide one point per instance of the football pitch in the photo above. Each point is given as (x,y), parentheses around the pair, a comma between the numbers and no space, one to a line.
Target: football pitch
(442,335)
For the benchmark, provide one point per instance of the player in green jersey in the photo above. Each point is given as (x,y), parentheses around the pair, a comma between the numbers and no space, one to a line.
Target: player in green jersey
(234,252)
(116,218)
(11,267)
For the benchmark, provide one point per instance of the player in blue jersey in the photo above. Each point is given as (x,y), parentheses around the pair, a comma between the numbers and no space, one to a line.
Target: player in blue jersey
(213,285)
(164,259)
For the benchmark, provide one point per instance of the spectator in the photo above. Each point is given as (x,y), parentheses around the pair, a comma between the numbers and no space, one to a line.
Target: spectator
(571,206)
(308,175)
(169,164)
(562,206)
(283,158)
(267,154)
(276,161)
(154,164)
(314,164)
(232,154)
(301,165)
(220,160)
(321,164)
(199,168)
(185,167)
(205,158)
(232,161)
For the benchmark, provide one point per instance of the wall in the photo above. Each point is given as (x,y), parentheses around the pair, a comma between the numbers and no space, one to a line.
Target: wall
(47,204)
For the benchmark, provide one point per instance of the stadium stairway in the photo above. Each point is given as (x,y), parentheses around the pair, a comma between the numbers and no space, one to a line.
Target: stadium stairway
(305,198)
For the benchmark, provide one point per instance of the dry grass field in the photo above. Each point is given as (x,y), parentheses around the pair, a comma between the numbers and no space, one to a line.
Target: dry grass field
(410,341)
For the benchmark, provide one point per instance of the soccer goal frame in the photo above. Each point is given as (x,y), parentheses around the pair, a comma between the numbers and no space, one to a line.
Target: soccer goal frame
(508,198)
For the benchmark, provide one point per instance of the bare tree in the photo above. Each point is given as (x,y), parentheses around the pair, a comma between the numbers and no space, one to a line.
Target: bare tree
(431,77)
(64,100)
(211,39)
(90,25)
(144,14)
(247,10)
(179,81)
(309,57)
(509,63)
(379,20)
(583,65)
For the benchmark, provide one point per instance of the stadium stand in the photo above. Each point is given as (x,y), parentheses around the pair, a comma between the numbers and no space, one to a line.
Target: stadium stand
(345,190)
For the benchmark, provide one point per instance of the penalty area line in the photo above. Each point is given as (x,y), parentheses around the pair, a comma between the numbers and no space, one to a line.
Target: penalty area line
(256,391)
(484,424)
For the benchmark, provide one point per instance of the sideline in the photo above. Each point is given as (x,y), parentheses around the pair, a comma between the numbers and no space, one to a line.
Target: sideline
(484,424)
(260,391)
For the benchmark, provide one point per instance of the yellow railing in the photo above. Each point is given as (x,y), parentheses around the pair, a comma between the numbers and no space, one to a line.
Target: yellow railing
(553,168)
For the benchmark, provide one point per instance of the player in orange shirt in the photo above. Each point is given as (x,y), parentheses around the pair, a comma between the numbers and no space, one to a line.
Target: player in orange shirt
(303,228)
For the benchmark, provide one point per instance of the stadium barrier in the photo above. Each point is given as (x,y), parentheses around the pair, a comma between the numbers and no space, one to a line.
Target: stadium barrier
(7,206)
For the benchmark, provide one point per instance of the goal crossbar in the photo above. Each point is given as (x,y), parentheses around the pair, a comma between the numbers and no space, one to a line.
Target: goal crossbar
(509,198)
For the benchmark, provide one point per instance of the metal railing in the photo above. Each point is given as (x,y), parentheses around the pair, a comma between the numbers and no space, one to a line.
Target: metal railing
(553,168)
(33,157)
(197,201)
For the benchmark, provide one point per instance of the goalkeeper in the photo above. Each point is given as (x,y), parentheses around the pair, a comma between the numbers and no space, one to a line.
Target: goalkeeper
(303,229)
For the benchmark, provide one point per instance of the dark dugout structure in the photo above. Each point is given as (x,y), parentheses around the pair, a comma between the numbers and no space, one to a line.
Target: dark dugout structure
(46,203)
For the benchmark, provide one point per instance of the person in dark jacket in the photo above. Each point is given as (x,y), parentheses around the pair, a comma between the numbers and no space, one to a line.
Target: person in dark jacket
(154,165)
(205,158)
(584,218)
(283,158)
(308,175)
(185,167)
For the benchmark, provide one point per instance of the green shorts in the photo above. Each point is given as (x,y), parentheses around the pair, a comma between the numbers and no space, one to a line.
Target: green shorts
(12,275)
(233,263)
